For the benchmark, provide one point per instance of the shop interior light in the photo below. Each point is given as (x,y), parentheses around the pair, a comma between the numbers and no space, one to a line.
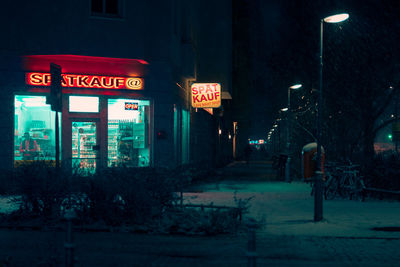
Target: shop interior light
(34,101)
(117,109)
(84,104)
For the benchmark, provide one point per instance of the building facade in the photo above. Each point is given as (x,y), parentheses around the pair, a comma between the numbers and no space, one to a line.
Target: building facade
(126,72)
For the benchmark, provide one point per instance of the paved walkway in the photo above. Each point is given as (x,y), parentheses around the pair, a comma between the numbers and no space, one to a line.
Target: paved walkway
(288,208)
(289,238)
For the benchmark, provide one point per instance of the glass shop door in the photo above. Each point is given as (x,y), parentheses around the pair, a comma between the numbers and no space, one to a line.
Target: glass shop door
(85,148)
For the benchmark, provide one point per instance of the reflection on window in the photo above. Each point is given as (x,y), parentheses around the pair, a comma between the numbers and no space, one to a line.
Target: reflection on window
(34,129)
(128,132)
(83,104)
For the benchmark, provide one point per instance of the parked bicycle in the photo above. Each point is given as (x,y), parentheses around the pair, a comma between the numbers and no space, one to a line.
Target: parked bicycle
(342,181)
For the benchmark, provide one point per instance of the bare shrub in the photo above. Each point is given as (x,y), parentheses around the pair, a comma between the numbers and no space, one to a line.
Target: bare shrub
(41,191)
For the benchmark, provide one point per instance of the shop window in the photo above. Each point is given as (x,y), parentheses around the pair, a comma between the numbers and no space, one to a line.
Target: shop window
(106,8)
(128,133)
(83,104)
(34,129)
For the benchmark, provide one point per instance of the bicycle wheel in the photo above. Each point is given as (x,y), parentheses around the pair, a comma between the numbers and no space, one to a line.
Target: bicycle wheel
(331,187)
(343,188)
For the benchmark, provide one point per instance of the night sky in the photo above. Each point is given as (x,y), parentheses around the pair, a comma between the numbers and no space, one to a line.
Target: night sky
(285,43)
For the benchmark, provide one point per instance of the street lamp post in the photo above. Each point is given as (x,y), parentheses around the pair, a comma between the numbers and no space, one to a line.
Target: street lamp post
(287,167)
(318,210)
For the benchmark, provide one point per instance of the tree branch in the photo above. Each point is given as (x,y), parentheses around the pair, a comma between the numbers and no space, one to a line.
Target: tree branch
(383,125)
(385,104)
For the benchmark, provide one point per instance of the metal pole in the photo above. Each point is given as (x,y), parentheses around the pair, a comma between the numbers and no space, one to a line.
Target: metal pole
(318,207)
(69,244)
(396,141)
(57,145)
(251,244)
(287,168)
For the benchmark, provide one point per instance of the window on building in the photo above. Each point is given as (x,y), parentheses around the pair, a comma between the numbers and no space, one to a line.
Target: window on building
(128,133)
(107,8)
(34,129)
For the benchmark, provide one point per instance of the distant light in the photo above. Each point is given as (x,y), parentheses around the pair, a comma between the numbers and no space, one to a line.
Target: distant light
(275,125)
(230,136)
(284,109)
(336,18)
(390,136)
(296,86)
(219,131)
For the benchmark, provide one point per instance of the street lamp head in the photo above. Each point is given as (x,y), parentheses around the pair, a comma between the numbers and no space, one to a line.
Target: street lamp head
(296,86)
(336,18)
(284,109)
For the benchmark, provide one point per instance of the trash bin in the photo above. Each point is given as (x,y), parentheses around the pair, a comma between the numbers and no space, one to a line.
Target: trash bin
(309,156)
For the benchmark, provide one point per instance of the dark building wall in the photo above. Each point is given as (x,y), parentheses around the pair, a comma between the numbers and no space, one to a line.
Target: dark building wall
(183,41)
(51,27)
(214,64)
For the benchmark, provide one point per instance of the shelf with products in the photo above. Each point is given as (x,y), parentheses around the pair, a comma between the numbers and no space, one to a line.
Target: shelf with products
(125,138)
(113,133)
(83,141)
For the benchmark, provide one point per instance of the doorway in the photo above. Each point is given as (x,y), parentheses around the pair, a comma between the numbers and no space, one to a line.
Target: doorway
(85,148)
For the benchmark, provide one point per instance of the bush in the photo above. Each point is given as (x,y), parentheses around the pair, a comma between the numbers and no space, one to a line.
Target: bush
(140,198)
(114,196)
(6,182)
(126,195)
(41,191)
(199,222)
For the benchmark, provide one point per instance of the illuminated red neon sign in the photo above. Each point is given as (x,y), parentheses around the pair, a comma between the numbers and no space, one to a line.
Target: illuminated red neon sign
(86,81)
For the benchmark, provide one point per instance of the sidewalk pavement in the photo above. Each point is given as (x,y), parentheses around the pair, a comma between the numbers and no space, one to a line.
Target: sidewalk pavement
(288,208)
(289,237)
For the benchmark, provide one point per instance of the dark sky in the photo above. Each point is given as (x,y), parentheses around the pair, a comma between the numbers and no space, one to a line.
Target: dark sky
(285,36)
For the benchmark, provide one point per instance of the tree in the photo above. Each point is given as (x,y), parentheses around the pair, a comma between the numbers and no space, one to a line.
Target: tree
(361,79)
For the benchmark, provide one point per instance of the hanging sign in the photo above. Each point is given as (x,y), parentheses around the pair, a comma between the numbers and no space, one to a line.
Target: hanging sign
(206,95)
(86,81)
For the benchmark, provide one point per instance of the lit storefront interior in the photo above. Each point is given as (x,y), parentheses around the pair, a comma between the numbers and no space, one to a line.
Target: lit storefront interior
(128,132)
(105,121)
(127,138)
(33,117)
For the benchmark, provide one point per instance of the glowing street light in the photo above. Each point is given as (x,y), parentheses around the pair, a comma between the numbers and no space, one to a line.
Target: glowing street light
(318,174)
(296,86)
(336,18)
(288,117)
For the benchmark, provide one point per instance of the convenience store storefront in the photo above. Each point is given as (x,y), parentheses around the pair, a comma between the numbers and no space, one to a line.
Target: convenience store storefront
(106,119)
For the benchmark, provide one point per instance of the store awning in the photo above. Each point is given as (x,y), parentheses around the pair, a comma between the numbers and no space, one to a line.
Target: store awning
(86,65)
